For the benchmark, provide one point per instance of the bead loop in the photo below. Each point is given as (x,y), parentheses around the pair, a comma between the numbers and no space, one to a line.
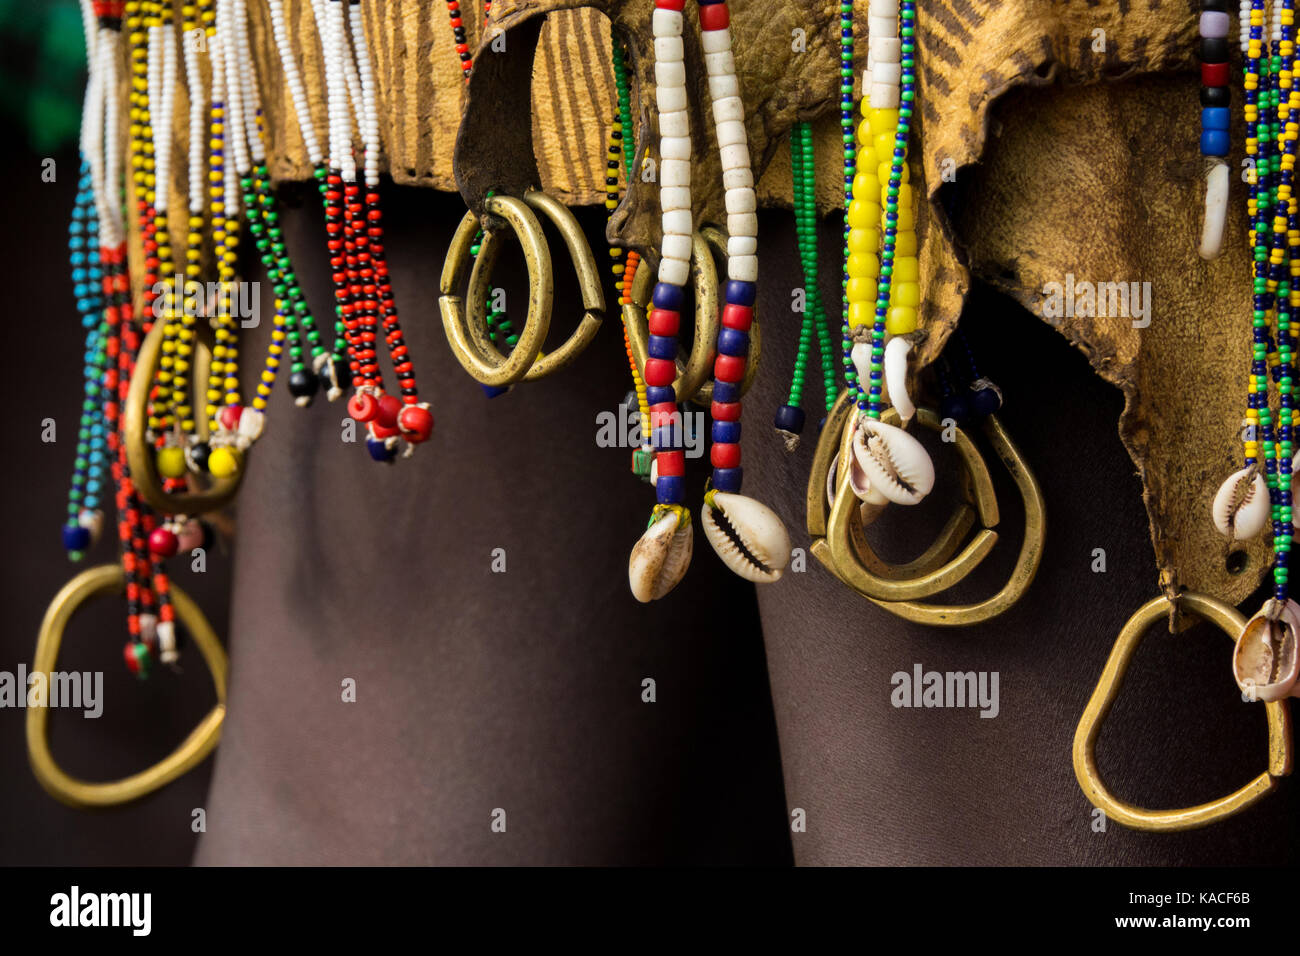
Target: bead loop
(202,740)
(1228,620)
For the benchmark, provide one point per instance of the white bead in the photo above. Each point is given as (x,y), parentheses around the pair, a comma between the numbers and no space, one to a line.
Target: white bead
(735,156)
(167,652)
(674,172)
(886,73)
(677,222)
(728,108)
(737,177)
(671,99)
(675,197)
(675,147)
(882,26)
(667,23)
(743,268)
(716,41)
(676,123)
(883,8)
(669,50)
(721,87)
(720,64)
(670,73)
(148,628)
(731,133)
(676,246)
(884,96)
(740,200)
(742,224)
(885,49)
(674,271)
(742,245)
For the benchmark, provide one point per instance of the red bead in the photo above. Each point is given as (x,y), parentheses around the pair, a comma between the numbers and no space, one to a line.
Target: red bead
(725,411)
(229,417)
(729,368)
(670,464)
(389,406)
(382,431)
(739,317)
(660,372)
(670,4)
(714,17)
(1214,74)
(362,406)
(163,542)
(416,423)
(664,413)
(664,322)
(725,455)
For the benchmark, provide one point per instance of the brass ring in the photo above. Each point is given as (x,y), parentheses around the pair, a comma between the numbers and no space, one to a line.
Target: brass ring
(593,298)
(1228,620)
(855,562)
(694,380)
(140,454)
(91,583)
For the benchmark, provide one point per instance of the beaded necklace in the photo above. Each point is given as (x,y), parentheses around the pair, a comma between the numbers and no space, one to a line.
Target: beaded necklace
(747,535)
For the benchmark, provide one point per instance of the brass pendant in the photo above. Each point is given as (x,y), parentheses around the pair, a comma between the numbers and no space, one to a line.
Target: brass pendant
(202,740)
(466,326)
(1228,620)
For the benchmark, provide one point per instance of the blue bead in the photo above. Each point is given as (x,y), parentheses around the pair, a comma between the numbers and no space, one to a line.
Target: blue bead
(492,391)
(75,537)
(726,433)
(733,342)
(726,392)
(741,293)
(669,489)
(666,437)
(728,479)
(662,347)
(658,394)
(1215,142)
(985,401)
(1215,117)
(668,296)
(380,451)
(789,418)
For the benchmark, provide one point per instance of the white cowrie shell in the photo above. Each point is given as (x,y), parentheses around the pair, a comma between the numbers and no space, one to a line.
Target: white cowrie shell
(660,558)
(747,535)
(896,464)
(1241,511)
(1265,662)
(896,353)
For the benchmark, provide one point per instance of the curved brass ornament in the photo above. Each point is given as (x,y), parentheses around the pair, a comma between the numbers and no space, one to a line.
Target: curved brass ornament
(694,380)
(1228,620)
(140,453)
(466,324)
(202,740)
(852,561)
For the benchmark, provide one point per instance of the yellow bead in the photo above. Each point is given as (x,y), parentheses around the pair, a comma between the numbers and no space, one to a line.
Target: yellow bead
(900,320)
(862,313)
(884,121)
(863,214)
(863,265)
(171,462)
(864,133)
(860,290)
(906,218)
(905,243)
(864,240)
(866,158)
(905,293)
(223,462)
(906,269)
(865,184)
(883,143)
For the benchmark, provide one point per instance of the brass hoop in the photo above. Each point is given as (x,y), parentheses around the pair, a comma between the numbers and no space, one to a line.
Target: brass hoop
(1228,620)
(695,371)
(202,740)
(466,325)
(140,454)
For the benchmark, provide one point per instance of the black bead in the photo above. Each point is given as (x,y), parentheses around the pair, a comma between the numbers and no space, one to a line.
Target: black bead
(1216,96)
(303,384)
(198,455)
(1214,50)
(1214,5)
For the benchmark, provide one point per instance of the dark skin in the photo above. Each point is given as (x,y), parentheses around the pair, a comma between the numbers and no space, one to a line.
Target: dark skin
(522,691)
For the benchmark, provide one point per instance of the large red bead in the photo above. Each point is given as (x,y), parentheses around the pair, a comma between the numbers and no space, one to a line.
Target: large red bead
(389,406)
(664,322)
(1214,74)
(660,372)
(724,455)
(416,423)
(670,464)
(714,16)
(229,417)
(739,317)
(362,406)
(729,368)
(725,411)
(163,542)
